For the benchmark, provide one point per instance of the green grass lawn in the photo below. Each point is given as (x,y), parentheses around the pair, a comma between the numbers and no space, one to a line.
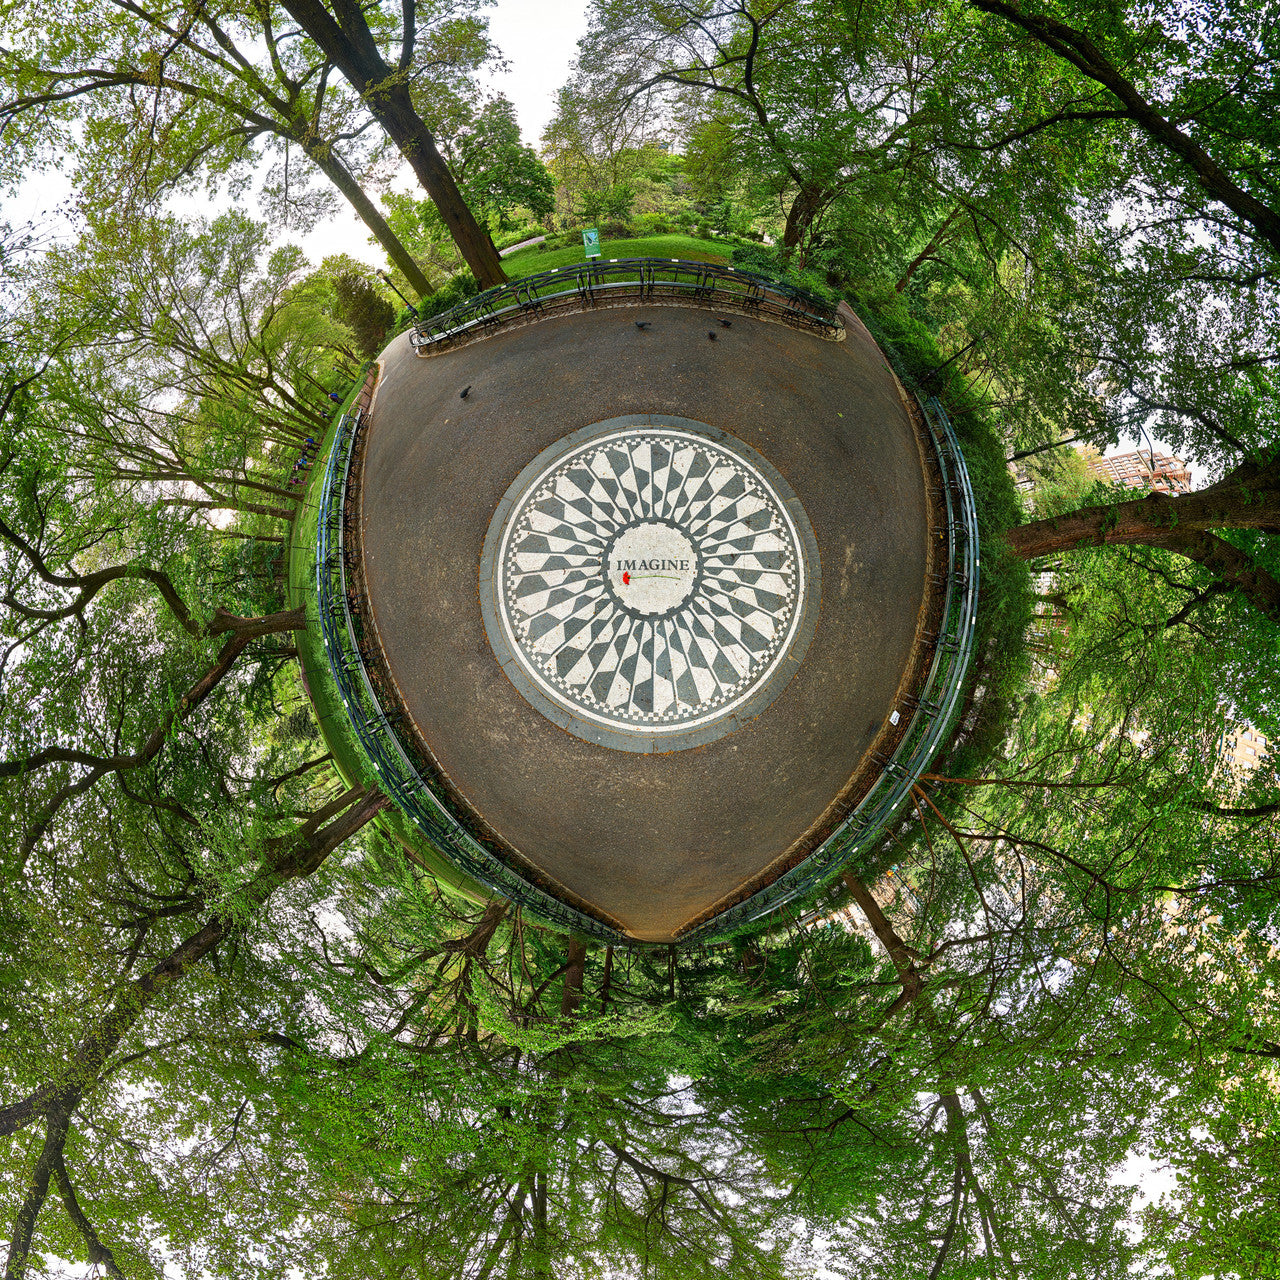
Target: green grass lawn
(530,261)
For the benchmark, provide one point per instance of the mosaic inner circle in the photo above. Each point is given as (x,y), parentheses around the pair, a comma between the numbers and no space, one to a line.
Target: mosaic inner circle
(651,568)
(646,579)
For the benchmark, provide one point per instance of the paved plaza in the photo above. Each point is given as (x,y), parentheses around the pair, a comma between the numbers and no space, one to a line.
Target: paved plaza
(650,600)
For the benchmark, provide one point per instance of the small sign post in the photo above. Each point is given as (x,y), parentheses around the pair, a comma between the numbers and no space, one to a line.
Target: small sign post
(591,242)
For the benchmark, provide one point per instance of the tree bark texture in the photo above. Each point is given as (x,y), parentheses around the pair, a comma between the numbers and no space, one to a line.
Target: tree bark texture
(24,1224)
(99,1254)
(809,202)
(571,996)
(899,953)
(1248,498)
(367,212)
(349,45)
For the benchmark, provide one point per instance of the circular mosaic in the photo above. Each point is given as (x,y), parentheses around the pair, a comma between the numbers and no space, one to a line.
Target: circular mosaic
(649,583)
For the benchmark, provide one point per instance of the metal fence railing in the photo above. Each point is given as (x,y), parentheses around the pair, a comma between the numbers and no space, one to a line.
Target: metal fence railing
(412,786)
(591,284)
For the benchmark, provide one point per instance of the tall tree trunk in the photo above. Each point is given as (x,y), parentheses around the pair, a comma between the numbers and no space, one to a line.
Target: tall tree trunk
(809,202)
(1248,498)
(1076,48)
(249,628)
(511,1227)
(476,943)
(350,46)
(541,1255)
(1041,448)
(367,212)
(988,1215)
(606,980)
(56,1124)
(571,997)
(99,1254)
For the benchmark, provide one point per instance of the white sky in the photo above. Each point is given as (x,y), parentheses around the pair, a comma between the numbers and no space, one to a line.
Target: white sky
(539,39)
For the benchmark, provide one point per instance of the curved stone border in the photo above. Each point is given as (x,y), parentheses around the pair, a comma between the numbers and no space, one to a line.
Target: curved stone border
(627,281)
(425,803)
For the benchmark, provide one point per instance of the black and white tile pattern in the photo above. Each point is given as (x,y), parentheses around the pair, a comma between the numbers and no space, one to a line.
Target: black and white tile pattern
(650,579)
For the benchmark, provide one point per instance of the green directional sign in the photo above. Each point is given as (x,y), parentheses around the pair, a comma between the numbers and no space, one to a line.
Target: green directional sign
(591,242)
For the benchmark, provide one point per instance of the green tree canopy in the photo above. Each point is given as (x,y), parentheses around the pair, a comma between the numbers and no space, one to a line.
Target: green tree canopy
(496,171)
(148,99)
(243,1033)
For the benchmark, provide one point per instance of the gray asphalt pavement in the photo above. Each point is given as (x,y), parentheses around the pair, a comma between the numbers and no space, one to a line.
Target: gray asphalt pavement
(650,841)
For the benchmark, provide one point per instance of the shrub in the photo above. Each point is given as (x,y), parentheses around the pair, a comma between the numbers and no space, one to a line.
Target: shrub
(455,290)
(1005,595)
(769,261)
(363,309)
(654,224)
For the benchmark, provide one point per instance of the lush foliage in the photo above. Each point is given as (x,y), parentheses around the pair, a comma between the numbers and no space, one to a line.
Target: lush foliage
(241,1034)
(496,171)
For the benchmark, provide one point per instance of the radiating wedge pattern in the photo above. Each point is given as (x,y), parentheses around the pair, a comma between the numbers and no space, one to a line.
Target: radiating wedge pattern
(572,626)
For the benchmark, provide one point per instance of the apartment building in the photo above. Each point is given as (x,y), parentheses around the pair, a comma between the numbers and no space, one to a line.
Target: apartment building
(1243,749)
(1157,472)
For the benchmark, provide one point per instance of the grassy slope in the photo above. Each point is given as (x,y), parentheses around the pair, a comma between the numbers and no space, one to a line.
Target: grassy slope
(530,261)
(348,755)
